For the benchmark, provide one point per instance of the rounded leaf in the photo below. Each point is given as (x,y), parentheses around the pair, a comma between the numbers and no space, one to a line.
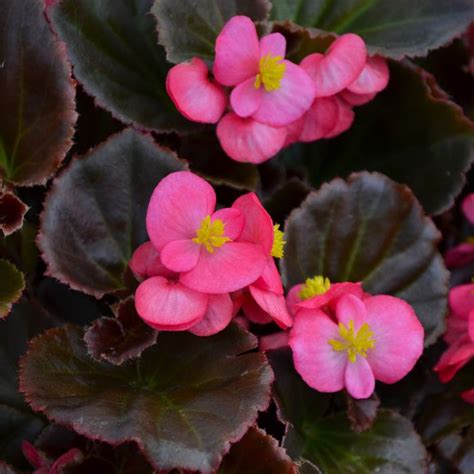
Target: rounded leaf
(185,402)
(94,215)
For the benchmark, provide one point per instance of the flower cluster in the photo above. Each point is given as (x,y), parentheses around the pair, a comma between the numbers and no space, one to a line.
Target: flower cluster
(459,336)
(263,102)
(343,337)
(201,264)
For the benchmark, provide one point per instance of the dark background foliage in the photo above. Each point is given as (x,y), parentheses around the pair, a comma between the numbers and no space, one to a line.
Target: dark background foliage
(86,132)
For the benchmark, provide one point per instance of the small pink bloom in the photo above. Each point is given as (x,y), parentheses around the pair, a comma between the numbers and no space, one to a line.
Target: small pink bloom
(205,246)
(264,301)
(468,207)
(378,338)
(43,465)
(268,88)
(342,64)
(459,334)
(194,94)
(249,141)
(319,292)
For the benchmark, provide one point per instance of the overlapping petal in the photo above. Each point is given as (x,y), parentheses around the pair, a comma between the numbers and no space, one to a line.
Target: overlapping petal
(249,141)
(196,96)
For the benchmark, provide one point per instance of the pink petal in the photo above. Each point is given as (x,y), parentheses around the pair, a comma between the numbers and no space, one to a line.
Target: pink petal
(217,317)
(177,207)
(231,267)
(470,326)
(245,98)
(180,255)
(270,279)
(454,359)
(274,44)
(146,262)
(350,308)
(273,341)
(398,337)
(197,97)
(252,311)
(459,256)
(461,300)
(359,378)
(233,220)
(274,305)
(344,121)
(321,367)
(258,223)
(249,141)
(468,207)
(340,67)
(468,396)
(237,52)
(169,305)
(288,103)
(294,130)
(356,99)
(373,78)
(320,120)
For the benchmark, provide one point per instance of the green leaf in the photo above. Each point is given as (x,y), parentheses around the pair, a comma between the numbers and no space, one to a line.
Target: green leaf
(391,28)
(94,215)
(12,284)
(183,401)
(408,132)
(257,453)
(373,230)
(189,28)
(113,47)
(392,445)
(36,95)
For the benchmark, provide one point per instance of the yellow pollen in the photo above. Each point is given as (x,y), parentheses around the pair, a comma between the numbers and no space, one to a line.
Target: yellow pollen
(355,343)
(271,72)
(470,240)
(211,234)
(278,242)
(315,286)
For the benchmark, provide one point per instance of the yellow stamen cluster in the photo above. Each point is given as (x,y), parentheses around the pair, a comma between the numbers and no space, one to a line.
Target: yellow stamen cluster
(315,286)
(278,242)
(272,70)
(211,234)
(355,343)
(470,240)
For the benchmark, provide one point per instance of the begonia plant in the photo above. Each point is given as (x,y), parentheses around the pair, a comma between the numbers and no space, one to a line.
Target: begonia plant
(236,236)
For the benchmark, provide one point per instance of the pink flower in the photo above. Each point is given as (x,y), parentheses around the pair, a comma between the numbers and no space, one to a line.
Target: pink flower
(319,292)
(264,299)
(165,304)
(267,87)
(468,207)
(459,334)
(378,338)
(208,248)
